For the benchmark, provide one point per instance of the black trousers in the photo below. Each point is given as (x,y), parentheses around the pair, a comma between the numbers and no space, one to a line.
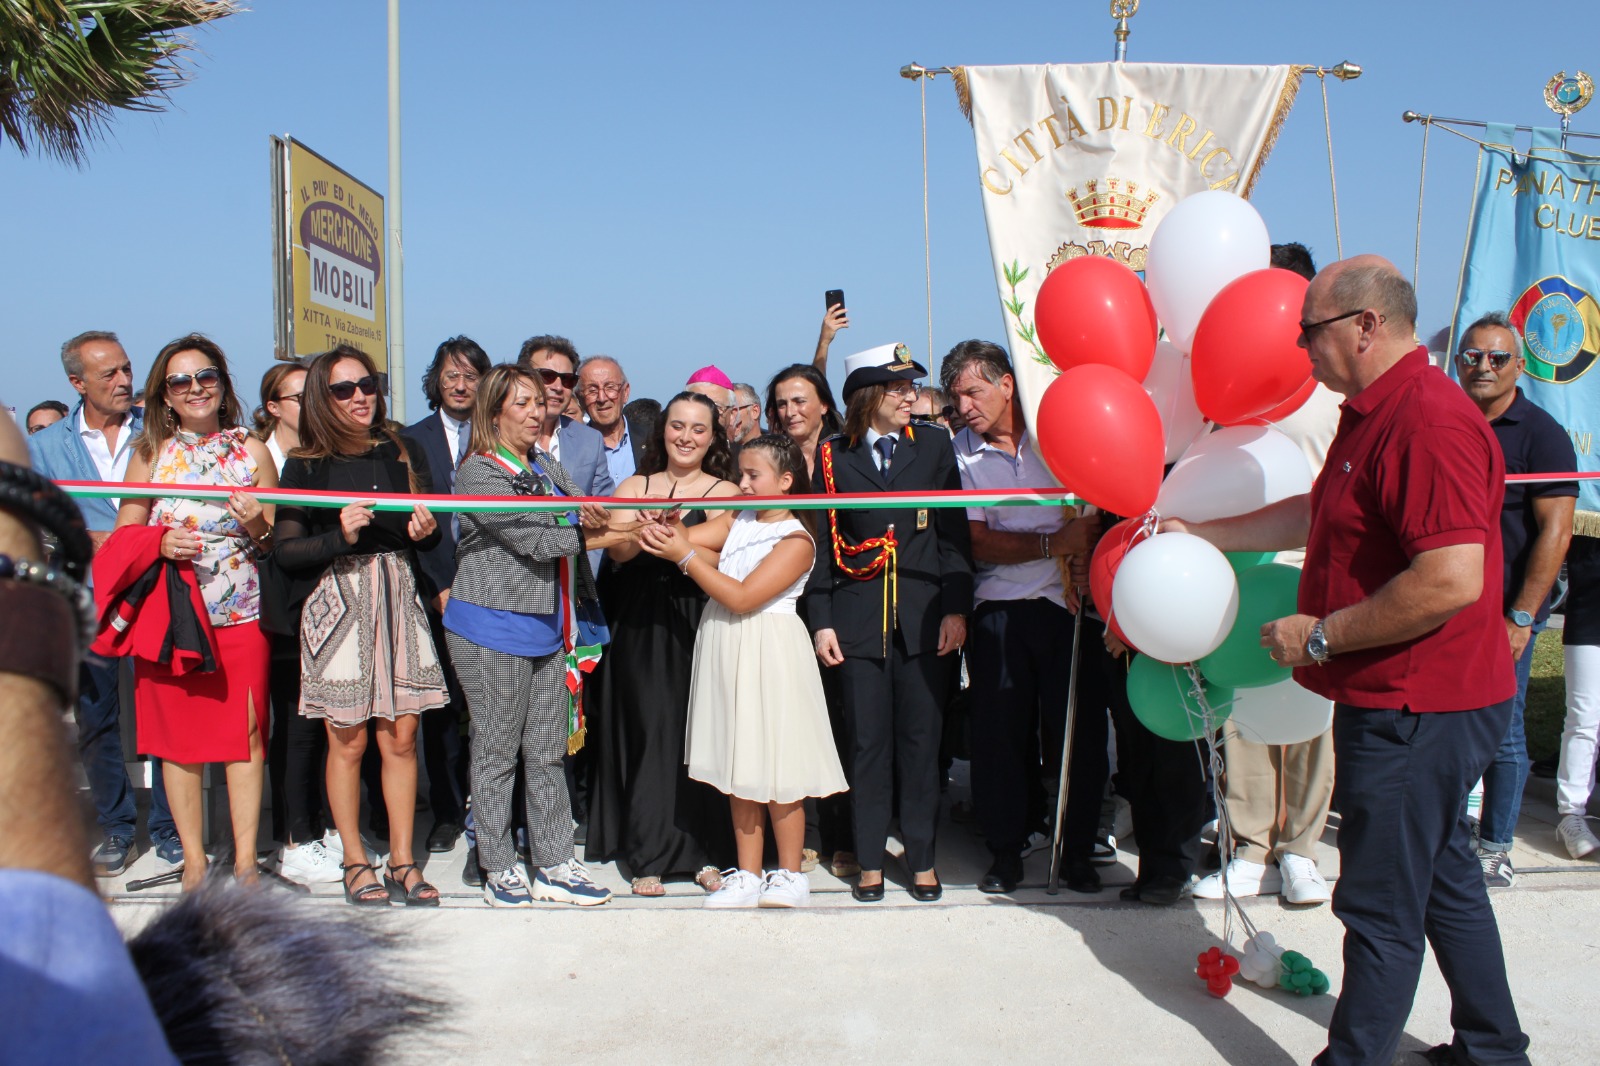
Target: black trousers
(1017,661)
(1164,781)
(893,708)
(835,828)
(296,752)
(1407,872)
(444,749)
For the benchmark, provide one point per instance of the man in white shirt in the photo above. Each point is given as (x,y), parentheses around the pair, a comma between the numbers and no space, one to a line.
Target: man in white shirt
(1018,634)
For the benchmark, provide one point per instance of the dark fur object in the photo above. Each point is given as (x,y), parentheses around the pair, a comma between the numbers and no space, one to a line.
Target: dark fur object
(253,976)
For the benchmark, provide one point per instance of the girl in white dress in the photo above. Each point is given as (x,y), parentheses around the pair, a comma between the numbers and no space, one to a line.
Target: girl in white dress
(758,721)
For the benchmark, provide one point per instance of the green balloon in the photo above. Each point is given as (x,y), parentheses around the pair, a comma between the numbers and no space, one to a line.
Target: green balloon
(1242,561)
(1266,592)
(1159,695)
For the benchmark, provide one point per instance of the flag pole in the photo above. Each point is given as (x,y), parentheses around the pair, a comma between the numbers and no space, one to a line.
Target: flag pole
(1054,885)
(396,364)
(1122,11)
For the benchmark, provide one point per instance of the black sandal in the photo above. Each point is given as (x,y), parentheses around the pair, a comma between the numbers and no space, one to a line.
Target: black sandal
(373,895)
(412,896)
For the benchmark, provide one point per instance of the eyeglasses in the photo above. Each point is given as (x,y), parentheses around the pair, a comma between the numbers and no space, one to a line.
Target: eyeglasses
(457,377)
(1471,357)
(207,378)
(344,390)
(1307,328)
(550,377)
(608,389)
(947,412)
(904,388)
(293,397)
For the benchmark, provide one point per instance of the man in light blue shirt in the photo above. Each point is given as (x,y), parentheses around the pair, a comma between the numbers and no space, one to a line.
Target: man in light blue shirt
(603,387)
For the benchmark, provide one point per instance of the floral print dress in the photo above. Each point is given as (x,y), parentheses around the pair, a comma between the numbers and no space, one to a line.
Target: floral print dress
(225,566)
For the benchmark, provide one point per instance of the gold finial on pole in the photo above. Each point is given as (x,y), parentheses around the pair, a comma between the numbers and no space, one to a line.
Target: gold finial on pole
(1122,11)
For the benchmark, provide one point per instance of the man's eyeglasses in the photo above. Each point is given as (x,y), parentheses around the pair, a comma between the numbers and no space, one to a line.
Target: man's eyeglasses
(947,412)
(1471,357)
(550,377)
(1307,328)
(609,390)
(453,378)
(207,378)
(344,390)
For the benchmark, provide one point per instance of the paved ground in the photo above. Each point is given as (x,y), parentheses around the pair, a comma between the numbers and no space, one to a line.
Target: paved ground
(1025,978)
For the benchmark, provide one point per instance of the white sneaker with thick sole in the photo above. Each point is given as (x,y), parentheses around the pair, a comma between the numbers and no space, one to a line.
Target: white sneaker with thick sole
(1302,881)
(1575,833)
(785,888)
(568,883)
(740,888)
(311,864)
(507,889)
(1245,878)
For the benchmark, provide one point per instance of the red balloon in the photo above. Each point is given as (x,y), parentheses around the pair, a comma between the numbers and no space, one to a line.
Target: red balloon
(1095,310)
(1284,409)
(1100,434)
(1246,359)
(1114,544)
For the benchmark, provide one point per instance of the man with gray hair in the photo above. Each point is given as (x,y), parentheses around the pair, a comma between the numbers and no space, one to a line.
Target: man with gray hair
(1535,529)
(603,387)
(743,417)
(94,443)
(1400,625)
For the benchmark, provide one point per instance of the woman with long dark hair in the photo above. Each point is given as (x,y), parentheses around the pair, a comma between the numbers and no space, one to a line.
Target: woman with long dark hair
(192,436)
(365,648)
(800,405)
(887,605)
(645,813)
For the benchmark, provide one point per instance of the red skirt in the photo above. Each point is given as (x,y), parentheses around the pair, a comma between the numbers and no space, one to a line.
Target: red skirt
(201,718)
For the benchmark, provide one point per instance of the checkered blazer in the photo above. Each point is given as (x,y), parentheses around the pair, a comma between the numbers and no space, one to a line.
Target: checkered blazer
(506,560)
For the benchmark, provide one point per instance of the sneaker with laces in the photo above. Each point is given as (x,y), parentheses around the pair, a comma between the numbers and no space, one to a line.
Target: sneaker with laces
(311,864)
(784,888)
(1302,881)
(568,883)
(1497,869)
(507,889)
(169,856)
(112,857)
(1245,878)
(1575,833)
(1035,842)
(740,888)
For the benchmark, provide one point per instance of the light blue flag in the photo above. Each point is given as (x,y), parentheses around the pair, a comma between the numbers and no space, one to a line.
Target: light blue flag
(1534,252)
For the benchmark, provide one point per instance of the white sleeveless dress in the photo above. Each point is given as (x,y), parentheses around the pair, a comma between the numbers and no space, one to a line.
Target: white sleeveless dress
(758,721)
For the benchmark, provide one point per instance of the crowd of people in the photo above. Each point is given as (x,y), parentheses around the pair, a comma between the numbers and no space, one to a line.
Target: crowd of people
(657,684)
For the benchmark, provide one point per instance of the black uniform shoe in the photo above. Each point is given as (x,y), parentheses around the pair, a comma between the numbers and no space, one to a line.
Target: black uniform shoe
(1003,876)
(867,893)
(444,837)
(1158,891)
(472,873)
(1081,876)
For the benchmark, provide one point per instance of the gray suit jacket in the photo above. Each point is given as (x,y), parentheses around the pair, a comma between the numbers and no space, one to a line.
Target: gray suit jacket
(506,560)
(583,457)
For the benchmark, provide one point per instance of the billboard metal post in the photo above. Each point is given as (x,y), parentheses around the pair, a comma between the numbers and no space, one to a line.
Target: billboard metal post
(397,318)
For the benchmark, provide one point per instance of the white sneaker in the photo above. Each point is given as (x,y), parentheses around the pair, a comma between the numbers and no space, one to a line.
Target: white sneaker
(310,864)
(740,888)
(1302,881)
(507,889)
(784,888)
(568,883)
(1575,833)
(1245,878)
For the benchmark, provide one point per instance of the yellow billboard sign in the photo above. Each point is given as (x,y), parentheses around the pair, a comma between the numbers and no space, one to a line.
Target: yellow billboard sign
(329,231)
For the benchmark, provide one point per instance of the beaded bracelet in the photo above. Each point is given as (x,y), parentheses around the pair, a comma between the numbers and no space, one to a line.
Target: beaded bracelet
(47,576)
(59,626)
(38,499)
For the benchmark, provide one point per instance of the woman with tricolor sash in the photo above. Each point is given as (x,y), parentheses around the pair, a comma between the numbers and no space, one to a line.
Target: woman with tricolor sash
(887,604)
(522,624)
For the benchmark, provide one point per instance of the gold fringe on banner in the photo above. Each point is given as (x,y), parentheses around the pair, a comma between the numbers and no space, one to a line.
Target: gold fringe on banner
(963,91)
(1586,524)
(1280,113)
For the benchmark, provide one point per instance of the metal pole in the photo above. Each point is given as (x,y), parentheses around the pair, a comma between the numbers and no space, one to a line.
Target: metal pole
(1054,885)
(396,302)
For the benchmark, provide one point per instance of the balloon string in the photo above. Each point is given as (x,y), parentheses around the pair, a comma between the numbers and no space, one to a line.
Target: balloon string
(1206,718)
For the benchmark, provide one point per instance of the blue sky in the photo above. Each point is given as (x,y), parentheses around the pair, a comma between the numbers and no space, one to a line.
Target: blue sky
(676,185)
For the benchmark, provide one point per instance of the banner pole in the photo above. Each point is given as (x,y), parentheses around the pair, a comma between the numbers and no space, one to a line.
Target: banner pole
(1054,885)
(1122,11)
(396,363)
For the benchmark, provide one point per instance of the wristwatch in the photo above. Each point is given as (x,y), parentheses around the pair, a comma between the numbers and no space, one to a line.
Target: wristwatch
(1521,618)
(1317,645)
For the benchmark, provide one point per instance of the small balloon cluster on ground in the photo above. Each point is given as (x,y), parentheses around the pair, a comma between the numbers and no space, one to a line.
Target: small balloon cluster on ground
(1270,966)
(1216,968)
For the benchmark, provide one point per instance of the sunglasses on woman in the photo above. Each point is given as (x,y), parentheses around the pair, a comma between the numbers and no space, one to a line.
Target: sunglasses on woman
(343,390)
(207,378)
(550,377)
(1471,357)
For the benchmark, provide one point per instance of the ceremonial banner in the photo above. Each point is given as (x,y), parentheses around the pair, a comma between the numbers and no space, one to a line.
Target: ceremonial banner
(1086,158)
(1534,251)
(328,257)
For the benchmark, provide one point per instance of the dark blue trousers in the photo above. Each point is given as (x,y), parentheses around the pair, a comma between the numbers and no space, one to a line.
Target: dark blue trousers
(99,715)
(1017,660)
(1407,872)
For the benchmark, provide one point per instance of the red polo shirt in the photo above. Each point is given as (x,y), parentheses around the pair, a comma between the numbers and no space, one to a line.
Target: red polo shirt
(1414,467)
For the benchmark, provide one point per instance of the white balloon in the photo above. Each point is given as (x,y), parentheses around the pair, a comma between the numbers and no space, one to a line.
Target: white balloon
(1176,597)
(1284,713)
(1171,386)
(1205,241)
(1236,470)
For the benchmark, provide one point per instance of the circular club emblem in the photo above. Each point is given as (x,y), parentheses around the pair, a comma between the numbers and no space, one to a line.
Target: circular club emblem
(1560,326)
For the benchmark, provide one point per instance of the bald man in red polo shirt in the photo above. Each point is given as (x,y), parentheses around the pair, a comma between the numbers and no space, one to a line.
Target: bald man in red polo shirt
(1401,626)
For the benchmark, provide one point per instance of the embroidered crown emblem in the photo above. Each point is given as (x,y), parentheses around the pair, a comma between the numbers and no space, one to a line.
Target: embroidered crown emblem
(902,357)
(1118,206)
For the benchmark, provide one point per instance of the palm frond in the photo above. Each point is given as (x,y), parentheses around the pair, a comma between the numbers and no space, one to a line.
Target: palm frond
(68,66)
